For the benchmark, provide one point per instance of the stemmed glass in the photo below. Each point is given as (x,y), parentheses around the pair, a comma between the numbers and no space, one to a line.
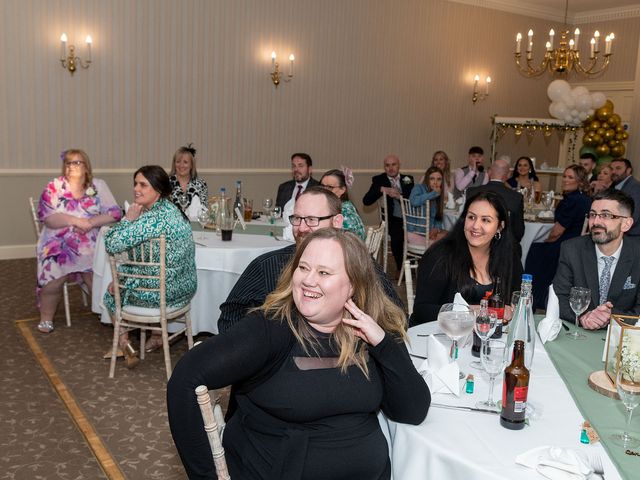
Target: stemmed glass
(494,358)
(628,386)
(579,300)
(484,328)
(276,212)
(203,219)
(547,201)
(267,205)
(456,320)
(183,200)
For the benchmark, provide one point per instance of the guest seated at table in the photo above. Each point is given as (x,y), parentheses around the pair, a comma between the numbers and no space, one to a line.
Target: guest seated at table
(316,208)
(311,368)
(152,214)
(339,182)
(441,160)
(524,176)
(185,183)
(603,181)
(72,209)
(472,174)
(603,262)
(468,260)
(569,218)
(431,189)
(589,162)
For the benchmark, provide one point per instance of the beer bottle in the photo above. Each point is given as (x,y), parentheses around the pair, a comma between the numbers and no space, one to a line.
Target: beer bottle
(514,390)
(496,305)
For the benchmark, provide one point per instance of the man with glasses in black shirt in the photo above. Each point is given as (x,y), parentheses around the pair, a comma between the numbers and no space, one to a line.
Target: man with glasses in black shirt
(315,208)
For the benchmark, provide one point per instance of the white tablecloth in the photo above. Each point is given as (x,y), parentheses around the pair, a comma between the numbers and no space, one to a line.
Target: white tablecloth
(453,444)
(219,265)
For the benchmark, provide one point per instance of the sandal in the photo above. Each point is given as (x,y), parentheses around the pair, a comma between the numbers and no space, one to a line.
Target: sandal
(46,326)
(153,344)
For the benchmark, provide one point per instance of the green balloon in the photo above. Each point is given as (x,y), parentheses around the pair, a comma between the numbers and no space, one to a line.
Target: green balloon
(604,160)
(588,149)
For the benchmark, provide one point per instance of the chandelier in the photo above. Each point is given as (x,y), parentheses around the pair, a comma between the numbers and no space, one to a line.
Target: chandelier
(566,57)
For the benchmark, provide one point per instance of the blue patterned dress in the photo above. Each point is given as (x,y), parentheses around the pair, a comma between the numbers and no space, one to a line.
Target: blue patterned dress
(163,218)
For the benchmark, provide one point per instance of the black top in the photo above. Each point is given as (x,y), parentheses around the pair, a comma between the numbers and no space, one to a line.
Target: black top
(260,278)
(298,416)
(196,186)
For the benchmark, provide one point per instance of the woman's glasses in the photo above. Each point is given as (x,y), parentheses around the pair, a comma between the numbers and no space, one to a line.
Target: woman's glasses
(73,163)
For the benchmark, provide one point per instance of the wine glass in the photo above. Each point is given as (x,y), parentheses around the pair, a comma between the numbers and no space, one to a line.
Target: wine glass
(183,200)
(484,326)
(628,386)
(579,300)
(203,219)
(493,356)
(547,201)
(515,299)
(456,321)
(267,205)
(276,212)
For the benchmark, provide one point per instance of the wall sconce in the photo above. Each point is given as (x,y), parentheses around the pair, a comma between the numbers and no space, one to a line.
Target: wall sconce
(69,60)
(476,93)
(276,74)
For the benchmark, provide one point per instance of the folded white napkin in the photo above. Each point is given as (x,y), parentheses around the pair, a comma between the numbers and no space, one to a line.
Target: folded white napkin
(557,463)
(126,206)
(440,375)
(551,324)
(451,202)
(458,301)
(194,208)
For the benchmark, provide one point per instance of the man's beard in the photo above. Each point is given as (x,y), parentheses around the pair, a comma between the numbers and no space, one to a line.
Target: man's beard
(603,236)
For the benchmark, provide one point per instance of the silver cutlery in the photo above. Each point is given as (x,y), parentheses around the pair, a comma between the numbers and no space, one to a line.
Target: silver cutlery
(423,357)
(275,237)
(596,464)
(201,244)
(464,409)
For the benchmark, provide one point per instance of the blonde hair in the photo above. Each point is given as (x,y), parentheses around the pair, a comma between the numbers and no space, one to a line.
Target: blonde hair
(189,151)
(88,172)
(368,295)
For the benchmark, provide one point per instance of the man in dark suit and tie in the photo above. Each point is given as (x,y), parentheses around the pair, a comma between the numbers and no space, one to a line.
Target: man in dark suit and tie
(301,171)
(607,261)
(622,176)
(498,174)
(589,162)
(396,186)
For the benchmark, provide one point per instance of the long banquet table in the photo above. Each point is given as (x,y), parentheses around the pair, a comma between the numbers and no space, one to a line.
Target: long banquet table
(472,445)
(219,265)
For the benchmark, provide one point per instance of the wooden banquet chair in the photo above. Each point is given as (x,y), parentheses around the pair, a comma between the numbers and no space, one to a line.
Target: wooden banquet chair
(37,225)
(214,426)
(410,271)
(149,257)
(374,240)
(417,217)
(382,213)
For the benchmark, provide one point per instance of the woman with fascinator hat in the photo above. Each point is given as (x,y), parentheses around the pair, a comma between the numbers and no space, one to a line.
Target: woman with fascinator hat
(185,183)
(339,182)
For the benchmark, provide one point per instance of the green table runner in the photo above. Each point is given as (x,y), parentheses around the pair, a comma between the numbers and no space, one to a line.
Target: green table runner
(252,229)
(575,360)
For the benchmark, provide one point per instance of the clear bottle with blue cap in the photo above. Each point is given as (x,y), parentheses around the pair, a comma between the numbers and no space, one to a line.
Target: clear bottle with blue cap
(522,326)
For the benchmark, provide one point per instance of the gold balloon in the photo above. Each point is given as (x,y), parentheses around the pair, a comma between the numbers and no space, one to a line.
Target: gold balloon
(588,141)
(609,134)
(608,104)
(625,135)
(601,131)
(612,143)
(619,129)
(595,125)
(619,136)
(588,120)
(614,120)
(603,114)
(617,151)
(602,150)
(597,139)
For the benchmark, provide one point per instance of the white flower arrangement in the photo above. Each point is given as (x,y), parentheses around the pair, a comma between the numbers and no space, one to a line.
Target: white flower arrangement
(630,357)
(406,180)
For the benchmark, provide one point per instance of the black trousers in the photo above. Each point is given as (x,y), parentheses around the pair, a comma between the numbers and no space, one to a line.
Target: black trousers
(396,232)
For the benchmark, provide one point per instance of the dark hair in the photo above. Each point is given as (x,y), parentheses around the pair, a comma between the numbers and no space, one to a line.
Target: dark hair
(581,176)
(590,156)
(304,156)
(532,169)
(186,150)
(335,204)
(157,178)
(476,149)
(625,201)
(339,174)
(440,199)
(454,258)
(625,161)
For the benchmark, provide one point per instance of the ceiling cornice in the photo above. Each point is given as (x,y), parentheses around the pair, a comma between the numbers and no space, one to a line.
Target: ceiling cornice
(530,9)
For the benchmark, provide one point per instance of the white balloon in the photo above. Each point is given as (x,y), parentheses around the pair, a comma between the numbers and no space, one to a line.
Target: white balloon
(583,103)
(558,89)
(598,99)
(574,113)
(579,91)
(568,118)
(553,110)
(583,116)
(561,110)
(568,100)
(591,111)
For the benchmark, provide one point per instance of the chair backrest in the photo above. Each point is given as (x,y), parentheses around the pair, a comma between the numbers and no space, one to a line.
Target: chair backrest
(410,268)
(417,217)
(382,213)
(37,225)
(212,427)
(148,257)
(374,239)
(585,226)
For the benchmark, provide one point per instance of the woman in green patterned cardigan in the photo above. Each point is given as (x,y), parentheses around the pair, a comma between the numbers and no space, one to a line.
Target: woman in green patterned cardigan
(152,214)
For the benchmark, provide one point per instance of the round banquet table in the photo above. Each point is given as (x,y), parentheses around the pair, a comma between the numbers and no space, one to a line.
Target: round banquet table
(219,265)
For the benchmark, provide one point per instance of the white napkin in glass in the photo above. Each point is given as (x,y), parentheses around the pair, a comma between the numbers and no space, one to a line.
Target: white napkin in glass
(194,208)
(459,300)
(551,324)
(440,375)
(557,463)
(126,206)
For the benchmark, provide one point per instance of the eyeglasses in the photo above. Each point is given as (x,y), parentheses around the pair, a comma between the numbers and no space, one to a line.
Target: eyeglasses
(310,221)
(330,187)
(75,163)
(604,216)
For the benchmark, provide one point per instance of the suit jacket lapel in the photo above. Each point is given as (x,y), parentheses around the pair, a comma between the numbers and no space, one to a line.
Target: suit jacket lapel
(591,272)
(623,269)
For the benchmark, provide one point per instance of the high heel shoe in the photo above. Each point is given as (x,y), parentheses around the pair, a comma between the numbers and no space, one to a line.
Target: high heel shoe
(130,355)
(153,344)
(45,326)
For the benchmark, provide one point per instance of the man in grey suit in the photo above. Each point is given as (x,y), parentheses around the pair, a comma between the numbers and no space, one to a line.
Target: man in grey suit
(606,261)
(498,174)
(622,176)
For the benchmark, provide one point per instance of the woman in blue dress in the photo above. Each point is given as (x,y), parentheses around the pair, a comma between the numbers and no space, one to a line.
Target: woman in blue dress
(431,188)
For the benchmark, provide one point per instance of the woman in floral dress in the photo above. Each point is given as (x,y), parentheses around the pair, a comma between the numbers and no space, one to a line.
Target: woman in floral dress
(339,181)
(152,214)
(72,209)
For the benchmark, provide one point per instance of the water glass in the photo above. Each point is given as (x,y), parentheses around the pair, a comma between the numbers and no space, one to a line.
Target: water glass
(493,356)
(579,300)
(203,219)
(484,328)
(628,386)
(456,321)
(267,205)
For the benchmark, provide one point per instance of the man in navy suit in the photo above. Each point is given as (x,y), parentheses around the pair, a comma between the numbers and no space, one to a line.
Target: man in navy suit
(622,176)
(607,261)
(301,171)
(396,186)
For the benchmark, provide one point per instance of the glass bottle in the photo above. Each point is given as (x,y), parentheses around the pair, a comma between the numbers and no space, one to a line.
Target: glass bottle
(224,209)
(522,326)
(515,389)
(496,305)
(238,206)
(482,315)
